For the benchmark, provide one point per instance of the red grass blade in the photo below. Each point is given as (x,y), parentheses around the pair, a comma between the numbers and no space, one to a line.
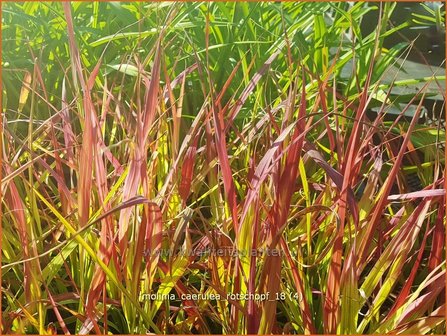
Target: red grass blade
(87,153)
(153,238)
(187,170)
(250,87)
(221,146)
(430,193)
(137,169)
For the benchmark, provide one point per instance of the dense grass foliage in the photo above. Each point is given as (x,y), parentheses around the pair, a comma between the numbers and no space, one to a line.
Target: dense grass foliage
(219,168)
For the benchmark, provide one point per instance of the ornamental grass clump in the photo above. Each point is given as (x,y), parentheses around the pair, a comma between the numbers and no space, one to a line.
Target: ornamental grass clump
(219,168)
